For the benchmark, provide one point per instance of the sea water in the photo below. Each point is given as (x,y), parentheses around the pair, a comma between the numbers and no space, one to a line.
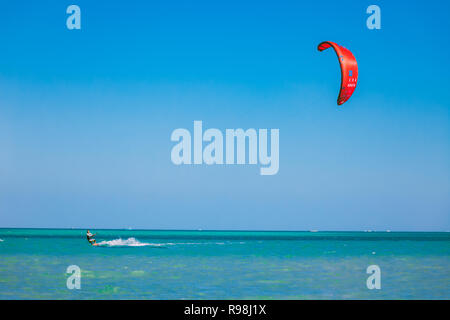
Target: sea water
(148,264)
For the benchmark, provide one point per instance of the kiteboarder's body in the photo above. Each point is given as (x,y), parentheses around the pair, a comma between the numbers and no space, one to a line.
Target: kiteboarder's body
(90,238)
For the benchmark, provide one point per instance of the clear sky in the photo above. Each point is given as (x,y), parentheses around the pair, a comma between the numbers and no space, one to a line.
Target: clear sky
(86,115)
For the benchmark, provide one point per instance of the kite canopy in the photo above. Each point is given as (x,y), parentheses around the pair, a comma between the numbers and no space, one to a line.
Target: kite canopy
(349,70)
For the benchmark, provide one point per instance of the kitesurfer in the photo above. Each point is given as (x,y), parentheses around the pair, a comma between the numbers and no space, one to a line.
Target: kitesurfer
(90,238)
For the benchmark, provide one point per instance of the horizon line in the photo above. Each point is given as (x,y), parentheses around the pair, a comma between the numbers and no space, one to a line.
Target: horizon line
(222,230)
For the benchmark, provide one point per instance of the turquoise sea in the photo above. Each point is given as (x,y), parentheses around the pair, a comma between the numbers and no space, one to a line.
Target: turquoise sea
(147,264)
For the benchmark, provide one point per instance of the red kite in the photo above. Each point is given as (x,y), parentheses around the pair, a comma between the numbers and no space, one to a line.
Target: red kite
(349,70)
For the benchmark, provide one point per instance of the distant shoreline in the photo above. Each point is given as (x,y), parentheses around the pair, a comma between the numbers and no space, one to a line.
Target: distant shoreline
(221,230)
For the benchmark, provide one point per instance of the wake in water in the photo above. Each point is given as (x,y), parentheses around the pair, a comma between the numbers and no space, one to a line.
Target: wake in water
(1,240)
(130,242)
(133,242)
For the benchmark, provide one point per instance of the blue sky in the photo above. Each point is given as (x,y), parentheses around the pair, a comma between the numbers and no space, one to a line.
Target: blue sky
(86,115)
